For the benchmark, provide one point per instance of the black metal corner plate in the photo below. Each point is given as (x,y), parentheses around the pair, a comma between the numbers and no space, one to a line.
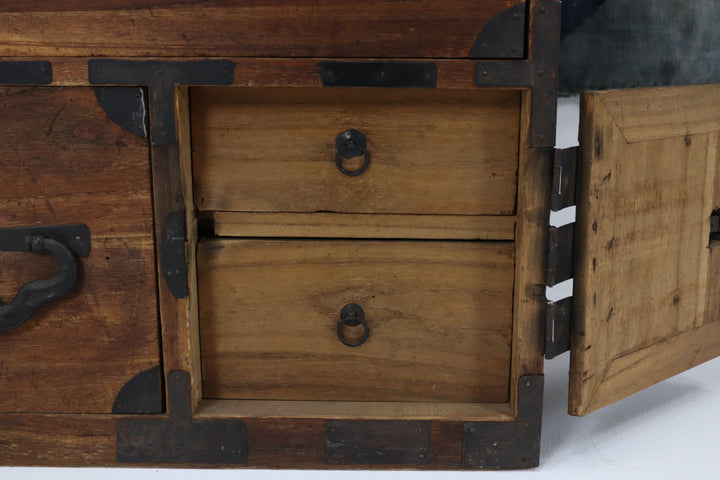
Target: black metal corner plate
(161,78)
(172,254)
(503,36)
(179,438)
(540,73)
(125,106)
(141,394)
(377,442)
(26,73)
(379,74)
(508,445)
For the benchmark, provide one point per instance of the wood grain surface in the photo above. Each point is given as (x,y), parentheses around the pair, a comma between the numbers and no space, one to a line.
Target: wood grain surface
(349,225)
(439,313)
(64,161)
(643,270)
(431,151)
(221,28)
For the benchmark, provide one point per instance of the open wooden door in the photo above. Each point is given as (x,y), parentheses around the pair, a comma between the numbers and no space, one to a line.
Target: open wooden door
(647,273)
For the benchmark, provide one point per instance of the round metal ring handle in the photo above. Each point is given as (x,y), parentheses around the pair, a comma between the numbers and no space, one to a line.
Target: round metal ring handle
(352,315)
(351,143)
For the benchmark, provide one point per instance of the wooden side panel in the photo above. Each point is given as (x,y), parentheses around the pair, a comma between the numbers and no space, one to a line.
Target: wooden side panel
(220,28)
(431,151)
(64,161)
(643,270)
(439,314)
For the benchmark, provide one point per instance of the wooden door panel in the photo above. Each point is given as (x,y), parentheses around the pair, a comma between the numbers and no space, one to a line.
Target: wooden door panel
(65,162)
(644,267)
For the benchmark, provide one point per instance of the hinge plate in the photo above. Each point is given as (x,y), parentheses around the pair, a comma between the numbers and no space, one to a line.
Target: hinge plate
(715,225)
(560,253)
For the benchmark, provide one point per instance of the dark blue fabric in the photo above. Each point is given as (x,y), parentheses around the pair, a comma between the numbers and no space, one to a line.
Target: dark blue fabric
(633,43)
(574,13)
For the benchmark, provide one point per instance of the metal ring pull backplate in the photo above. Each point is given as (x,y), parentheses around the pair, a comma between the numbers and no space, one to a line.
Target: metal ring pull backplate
(352,315)
(349,144)
(65,243)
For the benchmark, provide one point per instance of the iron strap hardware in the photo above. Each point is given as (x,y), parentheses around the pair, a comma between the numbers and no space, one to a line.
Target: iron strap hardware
(33,72)
(379,74)
(560,253)
(538,73)
(65,242)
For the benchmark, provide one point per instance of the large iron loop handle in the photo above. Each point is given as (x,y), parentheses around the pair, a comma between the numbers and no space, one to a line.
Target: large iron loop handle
(74,240)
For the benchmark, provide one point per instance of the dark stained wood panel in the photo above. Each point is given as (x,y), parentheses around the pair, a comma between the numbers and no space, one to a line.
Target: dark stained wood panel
(280,28)
(64,161)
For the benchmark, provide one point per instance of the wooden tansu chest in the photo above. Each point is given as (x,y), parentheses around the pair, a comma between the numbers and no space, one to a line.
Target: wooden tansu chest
(309,235)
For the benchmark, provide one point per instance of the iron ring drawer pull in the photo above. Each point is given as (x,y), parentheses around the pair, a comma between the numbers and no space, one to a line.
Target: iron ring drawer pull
(65,242)
(349,144)
(352,315)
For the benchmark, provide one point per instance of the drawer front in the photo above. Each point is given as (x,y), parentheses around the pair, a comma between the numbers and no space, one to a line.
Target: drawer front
(439,318)
(65,162)
(428,151)
(266,28)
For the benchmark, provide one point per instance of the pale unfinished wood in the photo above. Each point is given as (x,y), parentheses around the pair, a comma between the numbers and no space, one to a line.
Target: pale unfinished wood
(466,412)
(64,162)
(529,303)
(664,112)
(642,269)
(191,327)
(258,28)
(349,225)
(713,293)
(432,151)
(440,317)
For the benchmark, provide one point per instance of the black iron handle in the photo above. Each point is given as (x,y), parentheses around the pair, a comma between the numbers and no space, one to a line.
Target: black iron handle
(73,240)
(352,315)
(349,144)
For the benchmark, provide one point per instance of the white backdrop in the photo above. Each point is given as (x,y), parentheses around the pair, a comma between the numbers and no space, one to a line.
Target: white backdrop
(671,430)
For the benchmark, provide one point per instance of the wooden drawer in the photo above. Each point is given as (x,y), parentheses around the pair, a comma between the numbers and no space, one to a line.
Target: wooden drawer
(430,151)
(439,316)
(268,28)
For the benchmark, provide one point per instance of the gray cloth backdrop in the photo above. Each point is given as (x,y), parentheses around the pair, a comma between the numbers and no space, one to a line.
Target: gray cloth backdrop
(634,43)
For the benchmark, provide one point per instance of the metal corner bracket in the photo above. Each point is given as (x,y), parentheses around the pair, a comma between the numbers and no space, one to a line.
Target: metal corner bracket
(508,445)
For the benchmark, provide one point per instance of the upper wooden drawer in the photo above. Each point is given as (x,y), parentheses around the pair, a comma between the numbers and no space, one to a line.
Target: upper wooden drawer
(431,151)
(258,28)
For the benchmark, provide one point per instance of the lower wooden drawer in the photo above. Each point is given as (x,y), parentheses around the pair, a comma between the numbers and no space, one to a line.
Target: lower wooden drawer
(439,316)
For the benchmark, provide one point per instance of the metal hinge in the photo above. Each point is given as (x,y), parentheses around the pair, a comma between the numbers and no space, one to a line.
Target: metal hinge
(560,253)
(715,225)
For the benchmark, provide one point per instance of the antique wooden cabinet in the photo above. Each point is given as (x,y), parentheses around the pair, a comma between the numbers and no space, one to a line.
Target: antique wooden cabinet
(314,235)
